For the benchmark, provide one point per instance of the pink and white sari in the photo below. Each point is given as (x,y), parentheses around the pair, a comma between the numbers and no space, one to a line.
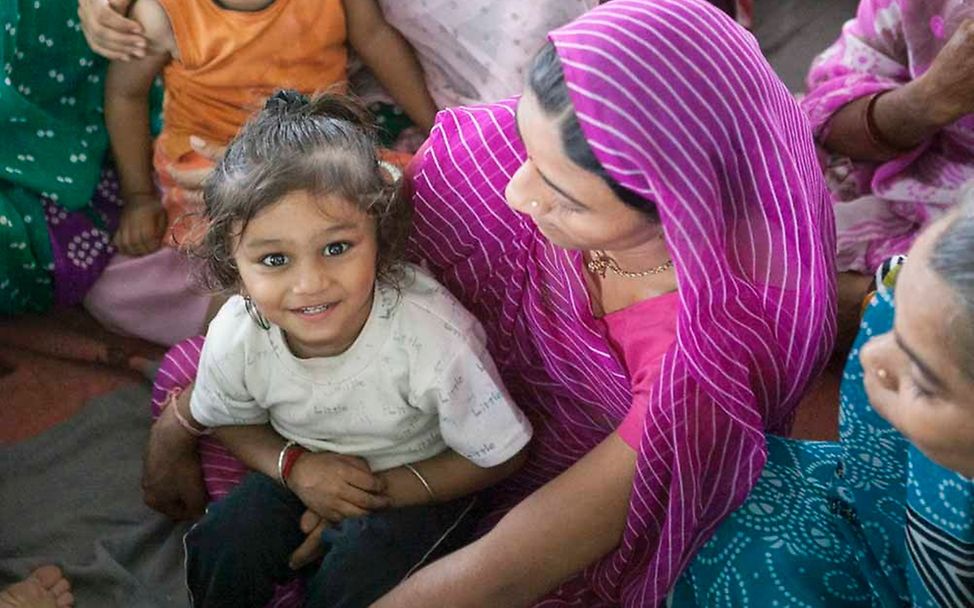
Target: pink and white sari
(881,207)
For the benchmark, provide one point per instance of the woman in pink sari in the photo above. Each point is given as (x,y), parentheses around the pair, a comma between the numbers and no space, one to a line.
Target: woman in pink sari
(647,240)
(891,103)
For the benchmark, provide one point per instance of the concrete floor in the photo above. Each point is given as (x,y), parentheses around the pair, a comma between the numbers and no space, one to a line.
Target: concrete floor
(792,32)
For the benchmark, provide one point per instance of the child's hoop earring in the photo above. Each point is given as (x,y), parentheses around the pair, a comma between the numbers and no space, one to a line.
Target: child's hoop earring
(255,314)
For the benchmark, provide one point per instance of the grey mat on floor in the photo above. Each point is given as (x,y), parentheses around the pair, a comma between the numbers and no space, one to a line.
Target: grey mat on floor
(71,497)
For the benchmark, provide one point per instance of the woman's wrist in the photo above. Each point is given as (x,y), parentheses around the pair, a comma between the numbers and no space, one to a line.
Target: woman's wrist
(169,432)
(926,103)
(905,117)
(181,411)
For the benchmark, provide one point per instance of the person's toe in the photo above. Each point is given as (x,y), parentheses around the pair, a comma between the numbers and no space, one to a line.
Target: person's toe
(48,576)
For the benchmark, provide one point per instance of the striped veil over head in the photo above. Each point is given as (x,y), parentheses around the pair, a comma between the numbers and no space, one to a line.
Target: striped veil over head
(680,107)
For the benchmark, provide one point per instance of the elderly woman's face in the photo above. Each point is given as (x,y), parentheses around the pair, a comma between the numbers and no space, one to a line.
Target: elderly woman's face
(572,207)
(913,374)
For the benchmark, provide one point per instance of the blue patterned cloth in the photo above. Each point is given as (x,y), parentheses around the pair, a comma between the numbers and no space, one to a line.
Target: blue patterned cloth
(868,521)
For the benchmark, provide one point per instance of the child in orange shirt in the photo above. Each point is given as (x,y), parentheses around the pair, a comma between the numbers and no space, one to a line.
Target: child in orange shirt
(218,60)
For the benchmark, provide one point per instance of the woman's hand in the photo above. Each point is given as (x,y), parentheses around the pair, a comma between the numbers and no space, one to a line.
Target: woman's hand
(108,32)
(172,480)
(336,486)
(141,226)
(909,115)
(948,86)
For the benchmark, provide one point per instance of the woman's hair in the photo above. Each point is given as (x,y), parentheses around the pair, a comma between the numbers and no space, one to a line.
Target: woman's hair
(546,80)
(324,146)
(952,258)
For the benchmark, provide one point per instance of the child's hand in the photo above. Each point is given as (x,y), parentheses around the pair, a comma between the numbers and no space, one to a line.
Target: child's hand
(336,486)
(141,226)
(312,525)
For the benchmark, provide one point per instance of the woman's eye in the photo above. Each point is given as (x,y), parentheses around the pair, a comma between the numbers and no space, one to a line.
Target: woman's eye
(336,248)
(274,260)
(919,391)
(569,206)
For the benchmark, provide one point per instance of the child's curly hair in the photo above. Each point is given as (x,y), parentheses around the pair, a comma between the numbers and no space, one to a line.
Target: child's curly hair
(323,146)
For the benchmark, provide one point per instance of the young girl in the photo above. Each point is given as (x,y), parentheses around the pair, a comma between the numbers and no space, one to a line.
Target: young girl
(219,60)
(385,409)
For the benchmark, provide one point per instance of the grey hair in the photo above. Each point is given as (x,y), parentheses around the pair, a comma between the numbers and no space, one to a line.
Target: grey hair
(952,259)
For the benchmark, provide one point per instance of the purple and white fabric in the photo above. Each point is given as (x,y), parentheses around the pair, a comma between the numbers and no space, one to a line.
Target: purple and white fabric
(881,207)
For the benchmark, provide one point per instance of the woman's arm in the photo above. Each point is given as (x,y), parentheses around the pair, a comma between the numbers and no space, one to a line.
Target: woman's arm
(383,49)
(569,523)
(172,481)
(912,113)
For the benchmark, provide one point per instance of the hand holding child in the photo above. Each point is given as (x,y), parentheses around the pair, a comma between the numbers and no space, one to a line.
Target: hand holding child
(336,486)
(141,226)
(107,30)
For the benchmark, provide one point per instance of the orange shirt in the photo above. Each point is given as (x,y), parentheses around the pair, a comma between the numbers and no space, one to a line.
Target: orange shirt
(230,61)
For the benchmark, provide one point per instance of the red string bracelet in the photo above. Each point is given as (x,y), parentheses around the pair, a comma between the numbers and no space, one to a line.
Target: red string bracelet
(291,455)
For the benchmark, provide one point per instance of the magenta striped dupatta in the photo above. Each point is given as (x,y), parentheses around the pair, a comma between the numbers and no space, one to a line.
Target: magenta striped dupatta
(679,105)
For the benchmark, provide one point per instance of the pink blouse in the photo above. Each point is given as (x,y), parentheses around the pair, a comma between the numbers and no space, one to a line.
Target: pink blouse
(641,334)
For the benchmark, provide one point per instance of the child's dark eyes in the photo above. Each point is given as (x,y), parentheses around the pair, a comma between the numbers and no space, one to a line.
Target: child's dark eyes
(276,260)
(333,249)
(273,260)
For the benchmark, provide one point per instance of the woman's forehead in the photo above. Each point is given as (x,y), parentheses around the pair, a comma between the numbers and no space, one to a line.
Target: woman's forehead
(926,312)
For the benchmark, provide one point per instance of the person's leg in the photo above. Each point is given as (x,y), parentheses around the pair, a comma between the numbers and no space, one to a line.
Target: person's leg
(151,297)
(46,587)
(239,550)
(367,556)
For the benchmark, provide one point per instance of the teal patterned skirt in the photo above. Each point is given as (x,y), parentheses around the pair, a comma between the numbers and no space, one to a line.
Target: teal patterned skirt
(866,521)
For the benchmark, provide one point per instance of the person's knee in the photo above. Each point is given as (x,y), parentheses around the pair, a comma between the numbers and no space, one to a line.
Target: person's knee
(255,523)
(400,541)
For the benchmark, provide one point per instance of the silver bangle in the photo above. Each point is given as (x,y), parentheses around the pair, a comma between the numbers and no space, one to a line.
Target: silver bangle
(422,480)
(280,461)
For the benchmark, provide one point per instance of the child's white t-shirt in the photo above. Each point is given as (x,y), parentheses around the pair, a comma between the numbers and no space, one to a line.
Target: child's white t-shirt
(418,379)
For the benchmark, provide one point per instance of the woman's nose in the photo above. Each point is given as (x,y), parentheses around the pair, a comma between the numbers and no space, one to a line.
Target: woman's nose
(881,358)
(522,196)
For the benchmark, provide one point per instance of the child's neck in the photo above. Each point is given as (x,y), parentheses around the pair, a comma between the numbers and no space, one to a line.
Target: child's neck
(244,6)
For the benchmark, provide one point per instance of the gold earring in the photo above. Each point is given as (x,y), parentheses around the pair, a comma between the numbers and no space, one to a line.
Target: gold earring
(882,373)
(534,204)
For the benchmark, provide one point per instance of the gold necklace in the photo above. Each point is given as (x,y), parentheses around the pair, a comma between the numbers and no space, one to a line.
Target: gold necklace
(601,262)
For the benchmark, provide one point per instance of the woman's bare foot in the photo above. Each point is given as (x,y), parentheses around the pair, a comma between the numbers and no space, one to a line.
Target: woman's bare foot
(46,587)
